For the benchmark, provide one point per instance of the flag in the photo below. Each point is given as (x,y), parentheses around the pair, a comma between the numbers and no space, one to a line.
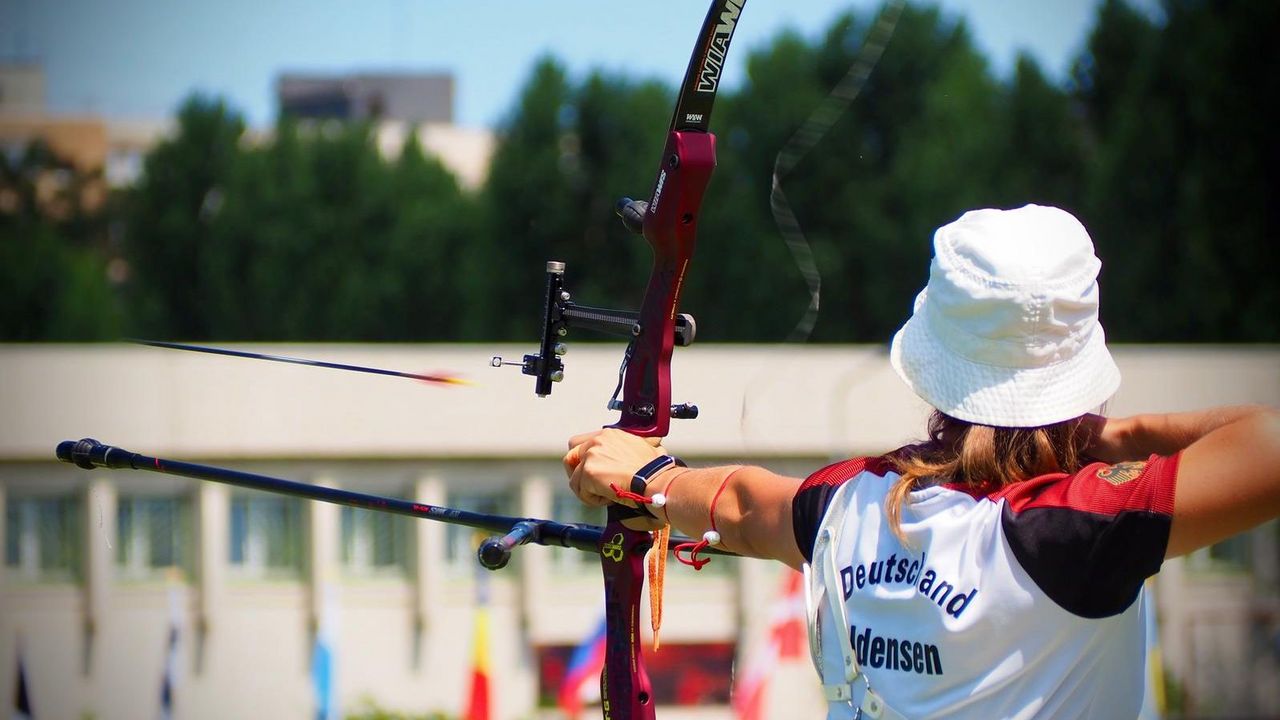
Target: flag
(584,666)
(478,690)
(170,677)
(21,700)
(324,670)
(1153,696)
(167,682)
(786,640)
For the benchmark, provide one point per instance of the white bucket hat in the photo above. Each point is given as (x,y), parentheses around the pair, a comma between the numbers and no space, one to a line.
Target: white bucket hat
(1006,333)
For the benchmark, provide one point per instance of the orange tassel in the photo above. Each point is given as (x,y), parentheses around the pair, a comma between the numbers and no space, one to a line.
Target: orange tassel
(657,570)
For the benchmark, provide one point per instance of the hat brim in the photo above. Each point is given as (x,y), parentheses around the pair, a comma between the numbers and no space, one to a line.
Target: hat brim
(1003,396)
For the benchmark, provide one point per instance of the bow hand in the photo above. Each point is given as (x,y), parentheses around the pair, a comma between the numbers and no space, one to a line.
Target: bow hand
(599,461)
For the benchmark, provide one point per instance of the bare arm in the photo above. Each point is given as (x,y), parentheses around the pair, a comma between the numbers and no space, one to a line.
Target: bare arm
(1229,474)
(752,512)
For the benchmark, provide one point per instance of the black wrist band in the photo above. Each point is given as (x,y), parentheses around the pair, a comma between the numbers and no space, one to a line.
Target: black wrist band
(641,478)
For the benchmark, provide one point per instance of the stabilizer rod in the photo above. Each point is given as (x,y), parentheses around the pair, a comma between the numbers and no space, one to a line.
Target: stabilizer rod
(90,454)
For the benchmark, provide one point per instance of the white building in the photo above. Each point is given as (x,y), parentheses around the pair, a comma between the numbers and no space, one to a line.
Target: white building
(98,565)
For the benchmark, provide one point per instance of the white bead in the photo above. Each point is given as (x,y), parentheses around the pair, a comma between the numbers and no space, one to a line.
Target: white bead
(658,500)
(712,537)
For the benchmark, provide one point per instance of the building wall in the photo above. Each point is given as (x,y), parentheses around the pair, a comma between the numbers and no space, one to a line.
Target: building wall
(421,104)
(96,643)
(464,151)
(81,140)
(408,97)
(21,88)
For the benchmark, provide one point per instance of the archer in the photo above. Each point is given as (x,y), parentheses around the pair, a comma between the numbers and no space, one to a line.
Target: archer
(995,569)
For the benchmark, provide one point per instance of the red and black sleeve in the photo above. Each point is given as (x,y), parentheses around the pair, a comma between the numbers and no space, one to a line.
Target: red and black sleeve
(1089,540)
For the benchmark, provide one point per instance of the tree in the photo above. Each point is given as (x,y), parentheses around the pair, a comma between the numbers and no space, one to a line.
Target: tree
(432,246)
(567,153)
(53,250)
(1181,194)
(921,144)
(309,235)
(167,222)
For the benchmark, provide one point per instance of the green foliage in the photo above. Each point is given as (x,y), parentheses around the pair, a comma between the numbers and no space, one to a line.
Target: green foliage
(168,219)
(313,235)
(1159,143)
(55,292)
(369,709)
(1181,196)
(566,155)
(53,258)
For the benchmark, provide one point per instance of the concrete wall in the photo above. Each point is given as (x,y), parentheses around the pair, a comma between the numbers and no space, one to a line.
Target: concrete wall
(97,645)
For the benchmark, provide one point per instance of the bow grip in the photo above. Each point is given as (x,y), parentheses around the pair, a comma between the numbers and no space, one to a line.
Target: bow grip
(670,227)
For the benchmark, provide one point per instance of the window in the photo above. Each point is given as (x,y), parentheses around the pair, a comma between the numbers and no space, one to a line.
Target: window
(153,537)
(43,538)
(374,543)
(266,536)
(567,509)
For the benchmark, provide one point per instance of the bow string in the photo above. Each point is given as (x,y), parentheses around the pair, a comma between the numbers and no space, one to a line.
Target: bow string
(668,220)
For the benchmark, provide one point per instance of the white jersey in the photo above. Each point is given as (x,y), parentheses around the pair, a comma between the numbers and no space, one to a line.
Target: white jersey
(1021,602)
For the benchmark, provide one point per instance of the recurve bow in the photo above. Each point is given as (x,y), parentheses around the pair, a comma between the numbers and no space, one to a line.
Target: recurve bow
(669,222)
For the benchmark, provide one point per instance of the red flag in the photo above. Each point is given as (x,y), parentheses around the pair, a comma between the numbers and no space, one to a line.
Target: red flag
(785,641)
(788,629)
(478,697)
(478,692)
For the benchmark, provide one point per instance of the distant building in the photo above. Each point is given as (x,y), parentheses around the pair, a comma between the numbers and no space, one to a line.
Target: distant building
(21,88)
(88,142)
(464,151)
(399,105)
(98,567)
(407,97)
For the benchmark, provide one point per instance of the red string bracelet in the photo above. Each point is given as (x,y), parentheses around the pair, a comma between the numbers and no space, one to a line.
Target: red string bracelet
(628,495)
(710,537)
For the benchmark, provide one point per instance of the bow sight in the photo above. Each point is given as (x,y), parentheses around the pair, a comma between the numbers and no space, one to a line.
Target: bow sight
(560,314)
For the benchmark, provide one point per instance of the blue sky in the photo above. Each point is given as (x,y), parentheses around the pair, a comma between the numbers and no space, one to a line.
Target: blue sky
(139,58)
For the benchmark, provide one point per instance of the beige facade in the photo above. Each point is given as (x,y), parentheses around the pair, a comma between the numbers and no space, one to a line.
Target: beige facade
(21,87)
(118,147)
(400,599)
(81,140)
(464,151)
